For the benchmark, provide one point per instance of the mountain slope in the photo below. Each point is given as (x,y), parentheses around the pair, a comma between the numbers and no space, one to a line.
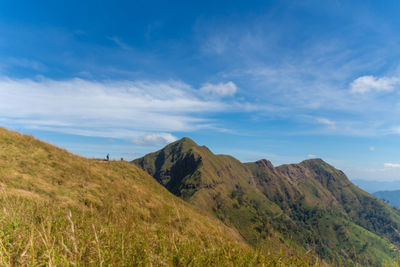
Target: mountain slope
(61,209)
(310,206)
(391,197)
(328,190)
(210,182)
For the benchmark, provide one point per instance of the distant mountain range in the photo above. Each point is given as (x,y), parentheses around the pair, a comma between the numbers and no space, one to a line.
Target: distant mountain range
(375,186)
(310,206)
(391,197)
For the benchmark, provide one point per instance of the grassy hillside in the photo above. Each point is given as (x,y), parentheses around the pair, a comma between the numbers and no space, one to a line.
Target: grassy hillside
(309,206)
(61,209)
(362,225)
(213,183)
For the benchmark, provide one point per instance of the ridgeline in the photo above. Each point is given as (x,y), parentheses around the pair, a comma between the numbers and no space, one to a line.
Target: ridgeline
(310,206)
(61,209)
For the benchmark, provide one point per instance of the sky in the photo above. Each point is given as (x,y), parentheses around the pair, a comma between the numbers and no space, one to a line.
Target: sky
(281,80)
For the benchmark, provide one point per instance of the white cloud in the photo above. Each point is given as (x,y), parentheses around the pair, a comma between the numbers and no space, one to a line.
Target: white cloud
(365,84)
(329,123)
(119,42)
(320,86)
(220,89)
(26,63)
(311,156)
(371,148)
(395,130)
(392,165)
(216,44)
(155,139)
(119,109)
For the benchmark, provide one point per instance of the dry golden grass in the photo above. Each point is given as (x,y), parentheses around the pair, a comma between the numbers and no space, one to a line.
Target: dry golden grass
(57,208)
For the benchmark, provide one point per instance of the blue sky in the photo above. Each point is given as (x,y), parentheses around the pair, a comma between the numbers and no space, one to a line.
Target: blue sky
(282,80)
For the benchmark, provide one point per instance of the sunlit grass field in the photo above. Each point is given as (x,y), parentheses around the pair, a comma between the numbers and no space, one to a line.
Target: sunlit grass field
(57,208)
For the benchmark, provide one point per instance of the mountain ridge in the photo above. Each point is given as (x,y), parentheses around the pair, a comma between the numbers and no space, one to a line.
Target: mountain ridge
(311,204)
(60,209)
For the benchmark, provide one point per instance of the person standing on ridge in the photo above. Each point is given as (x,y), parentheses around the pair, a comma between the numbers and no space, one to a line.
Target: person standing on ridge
(108,157)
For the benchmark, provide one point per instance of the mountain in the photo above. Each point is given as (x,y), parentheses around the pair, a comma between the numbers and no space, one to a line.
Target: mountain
(310,206)
(375,186)
(391,197)
(61,209)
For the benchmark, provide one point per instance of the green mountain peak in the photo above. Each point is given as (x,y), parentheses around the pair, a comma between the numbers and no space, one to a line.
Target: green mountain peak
(266,163)
(61,209)
(314,161)
(310,206)
(186,140)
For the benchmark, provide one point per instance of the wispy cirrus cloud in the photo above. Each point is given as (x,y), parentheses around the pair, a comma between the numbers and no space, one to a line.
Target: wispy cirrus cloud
(322,75)
(395,130)
(119,42)
(152,139)
(25,63)
(331,124)
(219,89)
(123,109)
(392,165)
(369,83)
